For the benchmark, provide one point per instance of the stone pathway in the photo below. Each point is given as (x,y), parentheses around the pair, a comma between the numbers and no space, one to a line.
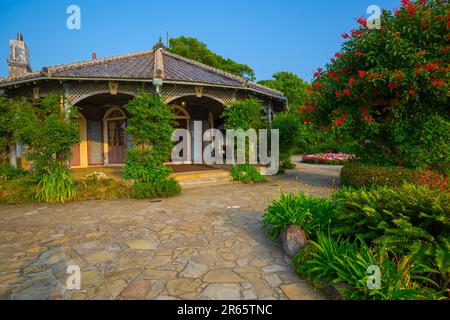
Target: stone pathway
(205,244)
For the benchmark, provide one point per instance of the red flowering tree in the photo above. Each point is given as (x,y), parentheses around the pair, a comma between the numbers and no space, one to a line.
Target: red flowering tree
(389,87)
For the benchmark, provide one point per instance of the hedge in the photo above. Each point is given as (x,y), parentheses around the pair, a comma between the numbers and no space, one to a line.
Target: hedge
(361,175)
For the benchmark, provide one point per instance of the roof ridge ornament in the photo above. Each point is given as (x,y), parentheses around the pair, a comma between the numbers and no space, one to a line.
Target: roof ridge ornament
(158,69)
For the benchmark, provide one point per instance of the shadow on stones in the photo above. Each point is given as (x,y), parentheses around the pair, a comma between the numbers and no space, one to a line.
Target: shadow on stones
(41,278)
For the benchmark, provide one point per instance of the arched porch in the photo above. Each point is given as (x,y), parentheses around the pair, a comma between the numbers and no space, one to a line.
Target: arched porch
(103,121)
(102,131)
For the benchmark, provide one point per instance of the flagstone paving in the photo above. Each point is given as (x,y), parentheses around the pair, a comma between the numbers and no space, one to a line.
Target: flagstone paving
(205,244)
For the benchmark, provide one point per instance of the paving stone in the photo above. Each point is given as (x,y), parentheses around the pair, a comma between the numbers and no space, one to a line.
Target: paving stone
(194,269)
(189,246)
(181,286)
(158,275)
(222,276)
(299,291)
(220,291)
(136,290)
(142,244)
(98,257)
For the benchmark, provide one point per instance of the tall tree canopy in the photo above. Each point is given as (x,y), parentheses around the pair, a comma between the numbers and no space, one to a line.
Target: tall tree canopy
(292,86)
(389,87)
(196,50)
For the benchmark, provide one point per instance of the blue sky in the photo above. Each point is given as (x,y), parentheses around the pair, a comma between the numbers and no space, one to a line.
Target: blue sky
(270,36)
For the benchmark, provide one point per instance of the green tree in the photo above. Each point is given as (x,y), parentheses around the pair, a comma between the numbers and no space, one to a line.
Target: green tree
(196,50)
(291,136)
(292,86)
(46,131)
(244,114)
(151,124)
(6,130)
(386,85)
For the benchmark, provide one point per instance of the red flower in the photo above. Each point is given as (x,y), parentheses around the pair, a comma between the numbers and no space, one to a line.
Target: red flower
(338,55)
(351,82)
(437,82)
(303,110)
(307,120)
(368,117)
(399,75)
(347,92)
(340,121)
(392,86)
(338,94)
(362,21)
(359,54)
(345,35)
(356,33)
(317,84)
(361,73)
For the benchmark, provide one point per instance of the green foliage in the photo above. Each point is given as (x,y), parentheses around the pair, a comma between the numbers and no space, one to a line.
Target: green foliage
(94,188)
(404,230)
(151,124)
(56,186)
(164,188)
(357,175)
(429,146)
(311,213)
(409,220)
(143,167)
(193,49)
(18,191)
(332,261)
(6,129)
(46,131)
(387,88)
(292,86)
(8,172)
(246,173)
(243,114)
(289,127)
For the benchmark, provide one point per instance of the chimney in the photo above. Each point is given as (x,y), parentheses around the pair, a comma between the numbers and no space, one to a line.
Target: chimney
(19,57)
(94,56)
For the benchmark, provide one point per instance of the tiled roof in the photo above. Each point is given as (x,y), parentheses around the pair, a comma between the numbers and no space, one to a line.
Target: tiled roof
(140,66)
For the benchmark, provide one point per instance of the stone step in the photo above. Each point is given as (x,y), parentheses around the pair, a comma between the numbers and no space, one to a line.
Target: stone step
(205,182)
(201,175)
(197,179)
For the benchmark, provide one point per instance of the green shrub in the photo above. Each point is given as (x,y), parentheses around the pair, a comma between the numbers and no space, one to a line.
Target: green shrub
(142,166)
(47,131)
(8,172)
(94,188)
(332,261)
(18,191)
(164,188)
(56,186)
(358,175)
(243,114)
(411,221)
(311,213)
(246,173)
(289,127)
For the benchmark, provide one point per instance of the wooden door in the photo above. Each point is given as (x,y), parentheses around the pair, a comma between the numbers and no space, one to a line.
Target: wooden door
(117,141)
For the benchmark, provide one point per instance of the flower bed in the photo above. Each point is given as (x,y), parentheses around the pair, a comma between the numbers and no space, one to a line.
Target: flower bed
(329,158)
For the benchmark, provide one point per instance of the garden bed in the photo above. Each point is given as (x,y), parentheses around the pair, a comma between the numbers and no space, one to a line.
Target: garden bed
(329,158)
(357,229)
